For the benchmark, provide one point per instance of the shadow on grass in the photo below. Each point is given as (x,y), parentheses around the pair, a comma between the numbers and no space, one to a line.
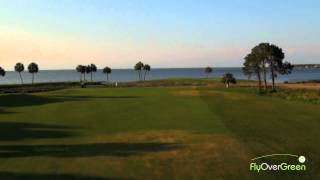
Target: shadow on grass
(20,100)
(27,176)
(96,97)
(15,131)
(86,150)
(2,111)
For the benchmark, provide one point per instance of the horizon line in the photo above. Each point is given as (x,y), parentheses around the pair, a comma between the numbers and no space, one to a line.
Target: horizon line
(49,69)
(133,68)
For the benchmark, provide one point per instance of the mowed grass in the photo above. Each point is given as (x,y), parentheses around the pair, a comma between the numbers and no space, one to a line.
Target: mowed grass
(153,133)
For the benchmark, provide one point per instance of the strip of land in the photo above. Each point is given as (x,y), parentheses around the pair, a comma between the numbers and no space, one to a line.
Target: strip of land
(42,87)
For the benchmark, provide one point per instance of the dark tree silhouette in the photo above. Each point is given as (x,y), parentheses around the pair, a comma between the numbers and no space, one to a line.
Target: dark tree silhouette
(93,69)
(107,71)
(78,69)
(146,68)
(19,67)
(33,68)
(88,69)
(84,71)
(228,79)
(275,60)
(286,68)
(277,64)
(208,70)
(271,56)
(138,67)
(252,66)
(261,52)
(2,72)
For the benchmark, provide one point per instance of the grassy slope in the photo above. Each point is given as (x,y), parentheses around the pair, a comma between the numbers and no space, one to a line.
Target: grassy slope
(152,133)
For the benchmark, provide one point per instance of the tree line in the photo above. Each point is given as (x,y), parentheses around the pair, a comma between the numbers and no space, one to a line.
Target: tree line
(83,70)
(33,68)
(263,59)
(141,68)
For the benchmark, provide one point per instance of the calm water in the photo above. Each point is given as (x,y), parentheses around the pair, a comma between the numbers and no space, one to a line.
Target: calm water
(122,75)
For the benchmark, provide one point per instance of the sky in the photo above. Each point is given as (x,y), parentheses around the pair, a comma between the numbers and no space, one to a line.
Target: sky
(60,34)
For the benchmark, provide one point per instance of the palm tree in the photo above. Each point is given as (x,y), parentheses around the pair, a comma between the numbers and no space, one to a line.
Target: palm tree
(33,68)
(138,67)
(87,69)
(93,68)
(19,67)
(208,70)
(79,70)
(146,68)
(107,71)
(227,79)
(83,71)
(2,72)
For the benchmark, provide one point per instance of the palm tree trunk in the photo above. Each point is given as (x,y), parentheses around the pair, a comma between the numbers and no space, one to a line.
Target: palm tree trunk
(107,77)
(84,74)
(32,78)
(227,85)
(80,77)
(21,78)
(91,76)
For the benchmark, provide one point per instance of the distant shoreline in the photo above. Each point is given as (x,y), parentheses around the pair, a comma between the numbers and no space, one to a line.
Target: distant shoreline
(130,75)
(52,86)
(307,66)
(125,69)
